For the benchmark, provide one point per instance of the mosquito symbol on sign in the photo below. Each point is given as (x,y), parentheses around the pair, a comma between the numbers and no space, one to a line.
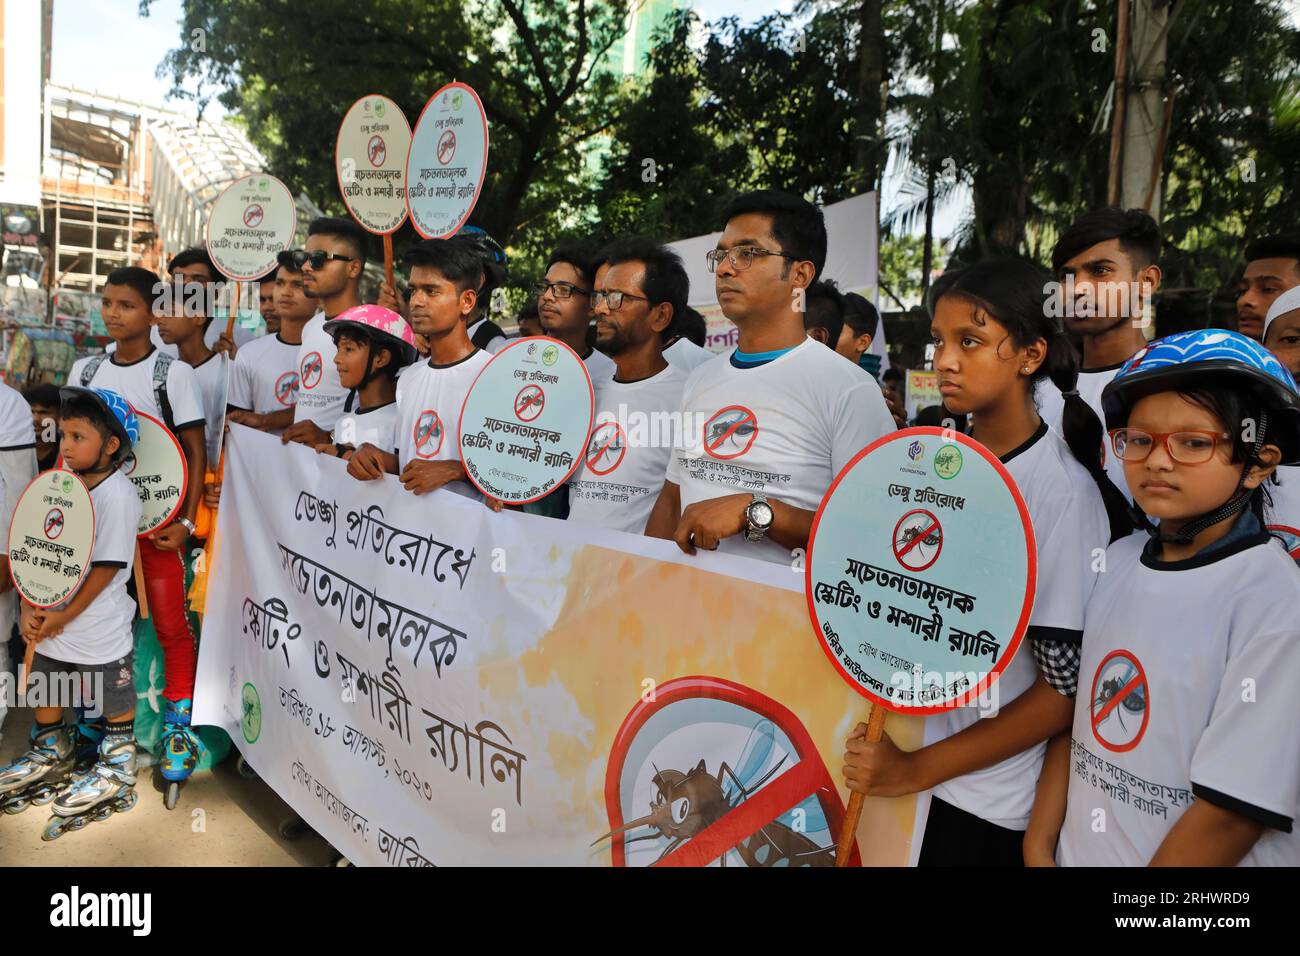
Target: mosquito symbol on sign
(377,151)
(918,539)
(253,216)
(446,147)
(529,402)
(54,524)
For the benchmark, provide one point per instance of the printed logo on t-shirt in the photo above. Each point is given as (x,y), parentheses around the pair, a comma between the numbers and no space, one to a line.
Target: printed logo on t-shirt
(606,448)
(1119,709)
(730,433)
(428,434)
(311,370)
(286,388)
(1290,538)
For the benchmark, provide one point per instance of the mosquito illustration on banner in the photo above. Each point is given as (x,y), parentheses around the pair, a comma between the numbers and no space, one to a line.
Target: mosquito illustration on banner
(686,804)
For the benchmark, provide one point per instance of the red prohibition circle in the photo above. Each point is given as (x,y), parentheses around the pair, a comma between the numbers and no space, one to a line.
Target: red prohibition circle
(716,432)
(434,430)
(530,397)
(311,371)
(1292,536)
(376,150)
(253,216)
(1116,699)
(913,542)
(446,147)
(601,441)
(54,524)
(286,388)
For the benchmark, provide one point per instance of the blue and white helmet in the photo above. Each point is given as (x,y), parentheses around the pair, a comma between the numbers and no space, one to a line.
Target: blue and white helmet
(122,420)
(1204,357)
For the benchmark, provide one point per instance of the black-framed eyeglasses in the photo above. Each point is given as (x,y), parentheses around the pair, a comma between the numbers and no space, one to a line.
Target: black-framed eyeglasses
(297,258)
(561,290)
(613,298)
(741,257)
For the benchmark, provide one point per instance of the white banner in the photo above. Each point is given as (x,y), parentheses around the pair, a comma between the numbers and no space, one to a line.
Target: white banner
(426,681)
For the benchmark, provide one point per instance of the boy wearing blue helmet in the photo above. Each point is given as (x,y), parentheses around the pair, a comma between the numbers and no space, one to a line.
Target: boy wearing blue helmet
(88,637)
(1181,752)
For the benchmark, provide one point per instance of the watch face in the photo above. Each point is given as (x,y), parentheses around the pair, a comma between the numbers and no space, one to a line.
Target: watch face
(760,514)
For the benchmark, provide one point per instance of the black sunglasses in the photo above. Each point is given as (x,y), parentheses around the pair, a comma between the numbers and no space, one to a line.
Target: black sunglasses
(297,258)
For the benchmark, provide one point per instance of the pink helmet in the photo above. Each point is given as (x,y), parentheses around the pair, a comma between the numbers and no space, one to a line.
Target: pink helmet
(382,326)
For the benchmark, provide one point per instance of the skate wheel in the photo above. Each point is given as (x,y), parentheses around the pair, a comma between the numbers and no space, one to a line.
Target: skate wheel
(53,829)
(18,806)
(172,795)
(128,801)
(293,828)
(42,799)
(243,768)
(102,814)
(77,823)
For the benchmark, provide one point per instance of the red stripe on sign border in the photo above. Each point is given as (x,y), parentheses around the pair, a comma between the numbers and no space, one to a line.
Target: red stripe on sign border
(790,788)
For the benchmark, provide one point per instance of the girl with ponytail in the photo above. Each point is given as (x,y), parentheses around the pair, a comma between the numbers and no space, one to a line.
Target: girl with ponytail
(995,336)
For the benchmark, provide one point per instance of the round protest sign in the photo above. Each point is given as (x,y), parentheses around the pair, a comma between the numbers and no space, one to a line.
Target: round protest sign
(900,587)
(253,219)
(156,466)
(446,162)
(51,536)
(525,423)
(370,159)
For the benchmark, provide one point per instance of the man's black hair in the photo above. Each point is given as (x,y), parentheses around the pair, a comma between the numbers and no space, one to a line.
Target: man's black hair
(1137,232)
(824,309)
(860,314)
(1274,247)
(528,310)
(82,406)
(194,255)
(665,277)
(892,374)
(576,255)
(797,225)
(143,281)
(344,229)
(44,394)
(693,326)
(458,264)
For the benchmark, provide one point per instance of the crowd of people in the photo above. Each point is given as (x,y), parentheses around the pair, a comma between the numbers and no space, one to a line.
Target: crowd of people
(1160,478)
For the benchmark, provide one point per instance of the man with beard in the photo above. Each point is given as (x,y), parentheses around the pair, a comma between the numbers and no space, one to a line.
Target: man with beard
(331,264)
(640,290)
(1272,267)
(1108,264)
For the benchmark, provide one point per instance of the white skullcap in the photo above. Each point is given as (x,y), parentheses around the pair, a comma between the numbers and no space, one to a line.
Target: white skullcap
(1288,301)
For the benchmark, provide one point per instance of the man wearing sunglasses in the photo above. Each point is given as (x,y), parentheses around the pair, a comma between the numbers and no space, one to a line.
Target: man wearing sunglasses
(775,421)
(331,264)
(564,304)
(639,294)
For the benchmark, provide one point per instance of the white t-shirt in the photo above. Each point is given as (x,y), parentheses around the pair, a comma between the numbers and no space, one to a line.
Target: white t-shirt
(429,402)
(784,429)
(622,471)
(16,429)
(102,632)
(211,377)
(600,367)
(134,382)
(1209,650)
(495,344)
(1051,407)
(320,393)
(686,355)
(1071,531)
(369,426)
(265,377)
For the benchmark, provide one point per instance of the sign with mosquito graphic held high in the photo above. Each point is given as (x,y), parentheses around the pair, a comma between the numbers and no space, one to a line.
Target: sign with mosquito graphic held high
(447,161)
(252,220)
(51,536)
(526,421)
(900,591)
(370,160)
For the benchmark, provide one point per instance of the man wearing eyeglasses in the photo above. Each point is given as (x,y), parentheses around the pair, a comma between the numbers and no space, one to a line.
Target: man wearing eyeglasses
(639,294)
(331,263)
(772,423)
(564,304)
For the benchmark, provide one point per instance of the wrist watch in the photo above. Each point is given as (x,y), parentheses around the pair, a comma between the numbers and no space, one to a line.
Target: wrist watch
(187,523)
(758,518)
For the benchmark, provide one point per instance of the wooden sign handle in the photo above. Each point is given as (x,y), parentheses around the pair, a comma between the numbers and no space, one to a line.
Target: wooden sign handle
(234,309)
(849,828)
(388,260)
(140,595)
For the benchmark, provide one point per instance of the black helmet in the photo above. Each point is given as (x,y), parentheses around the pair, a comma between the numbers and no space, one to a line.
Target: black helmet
(489,251)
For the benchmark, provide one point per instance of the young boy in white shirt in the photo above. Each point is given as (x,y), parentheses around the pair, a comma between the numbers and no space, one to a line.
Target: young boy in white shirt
(89,635)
